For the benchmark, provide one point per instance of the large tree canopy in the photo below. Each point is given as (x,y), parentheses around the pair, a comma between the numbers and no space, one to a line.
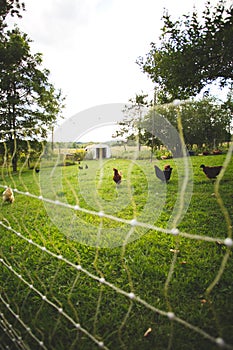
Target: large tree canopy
(27,99)
(192,53)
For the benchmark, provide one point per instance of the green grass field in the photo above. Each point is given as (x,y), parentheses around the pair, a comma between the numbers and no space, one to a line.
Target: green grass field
(141,266)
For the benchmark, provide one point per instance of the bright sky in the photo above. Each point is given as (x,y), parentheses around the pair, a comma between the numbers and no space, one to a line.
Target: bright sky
(90,46)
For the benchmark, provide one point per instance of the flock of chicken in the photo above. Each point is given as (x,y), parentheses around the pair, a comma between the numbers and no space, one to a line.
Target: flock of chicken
(164,175)
(210,171)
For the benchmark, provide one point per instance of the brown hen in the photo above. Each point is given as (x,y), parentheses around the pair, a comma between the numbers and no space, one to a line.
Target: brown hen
(117,176)
(163,175)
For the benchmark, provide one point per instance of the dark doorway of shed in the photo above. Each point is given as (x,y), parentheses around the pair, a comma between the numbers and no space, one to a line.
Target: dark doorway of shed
(101,153)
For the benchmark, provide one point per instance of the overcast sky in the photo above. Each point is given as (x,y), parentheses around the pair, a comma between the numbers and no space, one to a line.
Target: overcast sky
(90,46)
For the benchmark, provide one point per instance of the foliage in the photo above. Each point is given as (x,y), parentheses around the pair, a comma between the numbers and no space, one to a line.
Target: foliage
(228,104)
(10,7)
(27,98)
(192,53)
(30,155)
(130,127)
(79,154)
(206,121)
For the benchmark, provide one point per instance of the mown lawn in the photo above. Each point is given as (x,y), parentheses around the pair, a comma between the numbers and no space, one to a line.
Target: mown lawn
(133,260)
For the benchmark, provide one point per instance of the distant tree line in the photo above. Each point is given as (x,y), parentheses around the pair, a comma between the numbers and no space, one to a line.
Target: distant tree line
(206,121)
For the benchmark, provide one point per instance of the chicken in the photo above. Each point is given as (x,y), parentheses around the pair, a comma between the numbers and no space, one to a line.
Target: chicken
(117,176)
(163,175)
(211,171)
(8,195)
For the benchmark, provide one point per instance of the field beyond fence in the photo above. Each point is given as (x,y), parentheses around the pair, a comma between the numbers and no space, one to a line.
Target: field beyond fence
(87,264)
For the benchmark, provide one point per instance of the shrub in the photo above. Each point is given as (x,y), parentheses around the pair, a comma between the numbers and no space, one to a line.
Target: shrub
(79,154)
(163,154)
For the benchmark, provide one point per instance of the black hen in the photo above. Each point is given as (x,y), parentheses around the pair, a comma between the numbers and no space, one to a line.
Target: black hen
(211,171)
(117,176)
(163,175)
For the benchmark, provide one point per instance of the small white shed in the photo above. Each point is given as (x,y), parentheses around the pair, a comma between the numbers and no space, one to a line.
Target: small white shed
(98,151)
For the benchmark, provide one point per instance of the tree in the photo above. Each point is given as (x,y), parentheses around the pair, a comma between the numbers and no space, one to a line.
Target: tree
(205,121)
(192,53)
(27,99)
(148,137)
(10,7)
(131,125)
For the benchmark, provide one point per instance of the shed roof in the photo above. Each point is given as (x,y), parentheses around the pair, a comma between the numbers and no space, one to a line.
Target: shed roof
(98,145)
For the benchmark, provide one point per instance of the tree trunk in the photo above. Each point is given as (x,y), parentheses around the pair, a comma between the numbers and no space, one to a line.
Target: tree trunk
(13,152)
(14,162)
